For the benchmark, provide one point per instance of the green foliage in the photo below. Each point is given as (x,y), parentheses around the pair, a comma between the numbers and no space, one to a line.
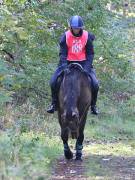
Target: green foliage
(29,36)
(29,147)
(5,82)
(30,43)
(106,160)
(27,155)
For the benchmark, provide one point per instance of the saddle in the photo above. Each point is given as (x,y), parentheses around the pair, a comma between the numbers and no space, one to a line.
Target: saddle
(68,70)
(74,65)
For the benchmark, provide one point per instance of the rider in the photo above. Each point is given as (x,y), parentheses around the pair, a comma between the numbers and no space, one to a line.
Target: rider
(76,45)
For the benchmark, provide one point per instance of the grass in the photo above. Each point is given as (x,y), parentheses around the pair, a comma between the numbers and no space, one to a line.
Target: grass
(30,142)
(105,161)
(110,128)
(27,155)
(123,148)
(115,122)
(110,146)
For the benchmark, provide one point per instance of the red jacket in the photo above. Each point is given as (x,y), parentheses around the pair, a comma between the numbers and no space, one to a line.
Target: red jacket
(63,53)
(76,46)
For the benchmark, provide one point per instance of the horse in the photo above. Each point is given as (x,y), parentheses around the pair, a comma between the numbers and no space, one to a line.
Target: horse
(74,100)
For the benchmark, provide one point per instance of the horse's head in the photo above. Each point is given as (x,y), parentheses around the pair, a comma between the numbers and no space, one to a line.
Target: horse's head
(70,119)
(71,88)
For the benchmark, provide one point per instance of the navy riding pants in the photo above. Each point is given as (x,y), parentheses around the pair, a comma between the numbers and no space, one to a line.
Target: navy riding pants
(85,65)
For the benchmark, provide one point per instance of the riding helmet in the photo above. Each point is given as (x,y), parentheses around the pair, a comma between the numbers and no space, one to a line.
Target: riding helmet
(76,22)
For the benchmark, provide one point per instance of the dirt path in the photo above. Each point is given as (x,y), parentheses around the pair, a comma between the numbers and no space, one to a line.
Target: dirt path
(94,166)
(69,170)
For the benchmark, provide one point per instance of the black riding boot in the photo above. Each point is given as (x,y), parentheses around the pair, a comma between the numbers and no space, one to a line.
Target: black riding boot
(53,107)
(55,84)
(94,109)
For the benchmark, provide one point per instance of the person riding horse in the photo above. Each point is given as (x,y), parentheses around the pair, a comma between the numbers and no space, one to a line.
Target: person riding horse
(76,45)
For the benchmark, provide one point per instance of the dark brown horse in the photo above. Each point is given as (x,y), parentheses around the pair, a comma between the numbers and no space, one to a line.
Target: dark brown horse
(74,99)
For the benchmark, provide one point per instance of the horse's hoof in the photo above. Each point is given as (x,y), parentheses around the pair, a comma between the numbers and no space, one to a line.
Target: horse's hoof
(78,158)
(68,154)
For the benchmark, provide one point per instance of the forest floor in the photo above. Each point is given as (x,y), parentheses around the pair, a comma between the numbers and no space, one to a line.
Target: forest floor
(106,164)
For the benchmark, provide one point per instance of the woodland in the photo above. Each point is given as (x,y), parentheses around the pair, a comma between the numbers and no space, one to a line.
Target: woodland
(30,144)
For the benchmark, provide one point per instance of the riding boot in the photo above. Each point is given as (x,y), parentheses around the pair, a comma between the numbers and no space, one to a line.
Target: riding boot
(94,109)
(53,107)
(54,90)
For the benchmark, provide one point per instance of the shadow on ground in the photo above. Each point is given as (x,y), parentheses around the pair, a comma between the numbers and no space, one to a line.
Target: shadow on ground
(106,167)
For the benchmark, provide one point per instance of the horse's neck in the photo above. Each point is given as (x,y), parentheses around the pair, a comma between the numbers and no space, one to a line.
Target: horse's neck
(72,81)
(71,87)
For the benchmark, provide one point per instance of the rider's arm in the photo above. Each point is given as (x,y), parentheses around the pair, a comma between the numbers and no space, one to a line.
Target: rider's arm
(90,48)
(63,50)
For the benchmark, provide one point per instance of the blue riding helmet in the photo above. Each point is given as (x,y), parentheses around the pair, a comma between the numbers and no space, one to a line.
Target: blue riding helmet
(76,22)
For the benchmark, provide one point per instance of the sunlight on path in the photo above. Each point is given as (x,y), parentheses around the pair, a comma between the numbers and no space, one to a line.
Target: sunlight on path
(111,161)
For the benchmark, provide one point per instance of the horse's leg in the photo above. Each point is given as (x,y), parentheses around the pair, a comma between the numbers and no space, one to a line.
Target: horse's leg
(79,142)
(67,152)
